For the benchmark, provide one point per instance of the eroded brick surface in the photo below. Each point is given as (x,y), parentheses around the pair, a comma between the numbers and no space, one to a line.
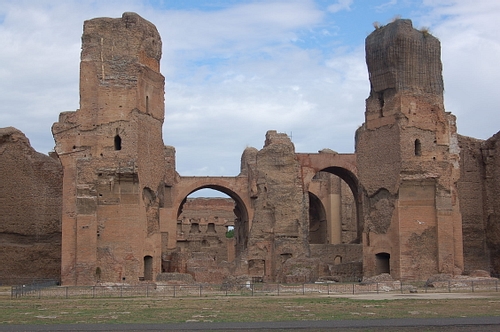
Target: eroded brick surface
(30,210)
(414,200)
(408,159)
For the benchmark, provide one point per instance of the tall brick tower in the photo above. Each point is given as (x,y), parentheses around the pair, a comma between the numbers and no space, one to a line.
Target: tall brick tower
(113,156)
(407,154)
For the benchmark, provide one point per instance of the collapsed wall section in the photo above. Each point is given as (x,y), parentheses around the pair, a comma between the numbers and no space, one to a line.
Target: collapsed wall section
(30,206)
(490,150)
(471,191)
(479,189)
(280,224)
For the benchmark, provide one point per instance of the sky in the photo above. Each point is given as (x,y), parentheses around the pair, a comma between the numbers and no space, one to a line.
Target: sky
(235,69)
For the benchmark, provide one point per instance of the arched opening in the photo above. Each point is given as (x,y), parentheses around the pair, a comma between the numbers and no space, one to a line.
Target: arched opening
(211,228)
(212,222)
(381,101)
(382,263)
(148,268)
(336,188)
(195,228)
(118,143)
(318,231)
(335,201)
(230,232)
(337,260)
(257,269)
(418,147)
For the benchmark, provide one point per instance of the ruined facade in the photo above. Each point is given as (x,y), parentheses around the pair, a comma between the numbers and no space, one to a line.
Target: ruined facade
(30,210)
(203,241)
(415,199)
(113,156)
(408,159)
(479,190)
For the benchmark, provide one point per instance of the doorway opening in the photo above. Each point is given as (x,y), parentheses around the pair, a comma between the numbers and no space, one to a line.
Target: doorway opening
(382,263)
(148,268)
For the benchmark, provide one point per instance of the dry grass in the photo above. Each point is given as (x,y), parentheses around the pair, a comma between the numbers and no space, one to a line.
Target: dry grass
(240,309)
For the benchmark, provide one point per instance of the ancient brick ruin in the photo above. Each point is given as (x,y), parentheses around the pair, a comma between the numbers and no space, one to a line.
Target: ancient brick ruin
(414,200)
(30,210)
(408,159)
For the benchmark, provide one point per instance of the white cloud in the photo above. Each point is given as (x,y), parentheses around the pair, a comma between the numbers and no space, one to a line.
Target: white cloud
(386,6)
(292,92)
(469,35)
(236,72)
(237,27)
(340,5)
(39,61)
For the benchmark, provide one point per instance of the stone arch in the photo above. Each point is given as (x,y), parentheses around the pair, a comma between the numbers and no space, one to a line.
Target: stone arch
(352,182)
(341,165)
(318,228)
(348,176)
(241,208)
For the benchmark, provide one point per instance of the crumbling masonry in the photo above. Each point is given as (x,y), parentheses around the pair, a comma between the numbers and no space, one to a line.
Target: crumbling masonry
(414,200)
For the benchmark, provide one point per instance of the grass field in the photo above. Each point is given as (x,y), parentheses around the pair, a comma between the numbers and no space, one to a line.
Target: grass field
(235,309)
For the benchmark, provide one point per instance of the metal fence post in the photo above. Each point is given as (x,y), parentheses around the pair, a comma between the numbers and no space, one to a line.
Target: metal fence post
(303,289)
(377,287)
(200,290)
(252,289)
(328,288)
(449,286)
(401,285)
(353,285)
(472,284)
(278,289)
(67,291)
(174,290)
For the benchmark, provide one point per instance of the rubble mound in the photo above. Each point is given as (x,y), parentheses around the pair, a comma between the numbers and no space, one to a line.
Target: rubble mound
(233,280)
(384,277)
(438,278)
(480,274)
(175,278)
(330,279)
(299,270)
(447,280)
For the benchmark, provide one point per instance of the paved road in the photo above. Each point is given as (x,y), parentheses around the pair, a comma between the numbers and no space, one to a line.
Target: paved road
(405,324)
